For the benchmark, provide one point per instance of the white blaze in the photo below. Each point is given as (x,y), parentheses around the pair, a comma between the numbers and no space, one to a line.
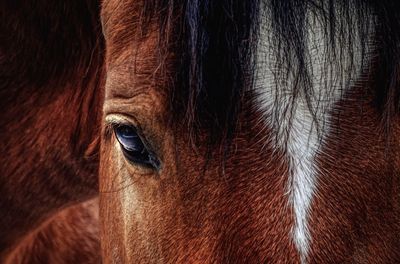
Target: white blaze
(301,137)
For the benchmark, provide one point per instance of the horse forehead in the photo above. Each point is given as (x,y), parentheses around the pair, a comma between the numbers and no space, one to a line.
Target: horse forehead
(333,63)
(299,124)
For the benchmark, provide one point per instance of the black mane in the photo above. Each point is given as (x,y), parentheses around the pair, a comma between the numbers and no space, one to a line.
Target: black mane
(218,42)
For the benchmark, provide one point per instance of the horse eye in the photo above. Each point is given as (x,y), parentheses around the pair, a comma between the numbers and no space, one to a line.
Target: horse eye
(133,148)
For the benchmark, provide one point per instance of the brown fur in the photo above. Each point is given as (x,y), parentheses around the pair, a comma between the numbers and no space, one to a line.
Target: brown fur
(193,211)
(50,94)
(181,215)
(356,214)
(71,236)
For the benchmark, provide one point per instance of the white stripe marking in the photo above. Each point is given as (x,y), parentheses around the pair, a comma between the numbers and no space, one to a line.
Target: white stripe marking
(301,141)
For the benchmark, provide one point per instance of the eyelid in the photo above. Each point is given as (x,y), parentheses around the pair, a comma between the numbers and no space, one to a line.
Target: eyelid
(113,120)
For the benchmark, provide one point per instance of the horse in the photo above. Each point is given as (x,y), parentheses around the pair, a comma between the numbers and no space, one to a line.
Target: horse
(51,64)
(257,131)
